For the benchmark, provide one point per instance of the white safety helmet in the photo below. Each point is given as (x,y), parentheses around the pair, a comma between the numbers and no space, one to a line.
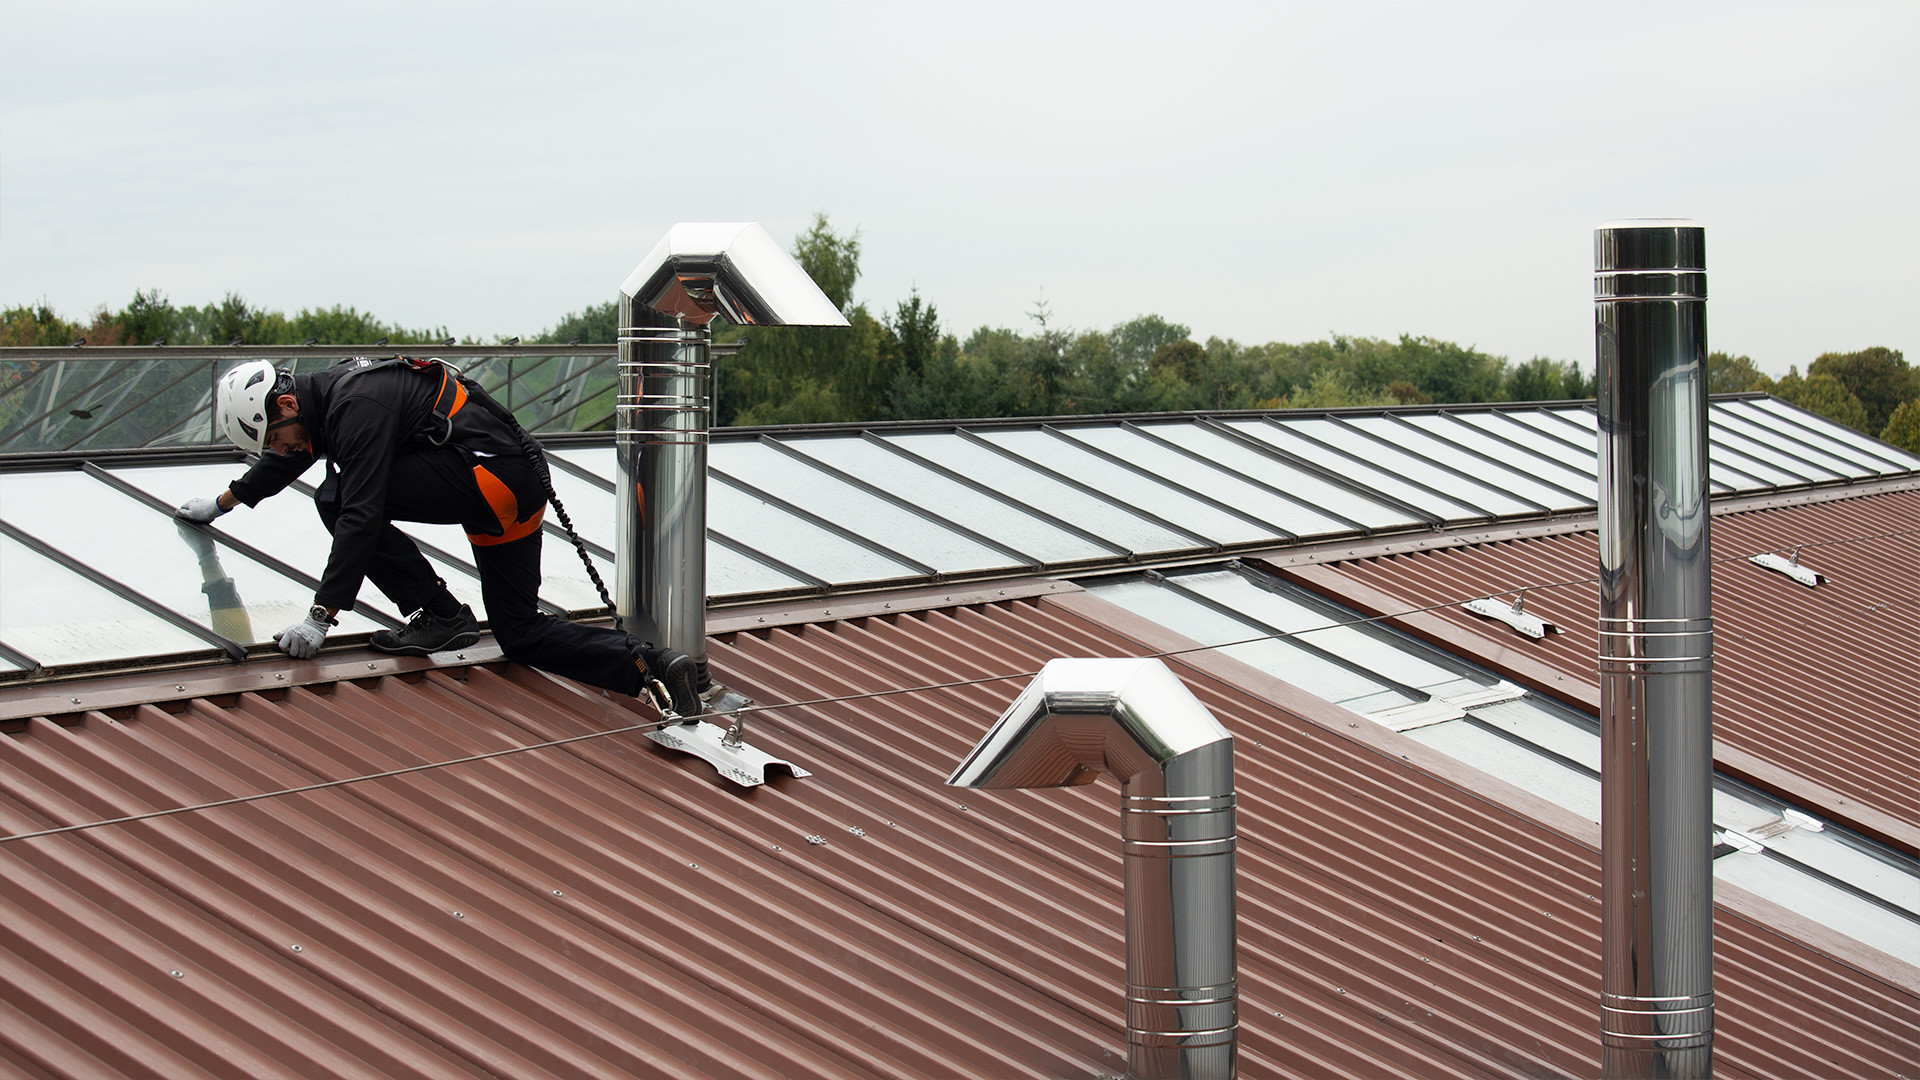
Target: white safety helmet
(240,403)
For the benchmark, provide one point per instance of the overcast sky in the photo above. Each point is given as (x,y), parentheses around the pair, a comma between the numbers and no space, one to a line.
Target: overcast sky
(1259,171)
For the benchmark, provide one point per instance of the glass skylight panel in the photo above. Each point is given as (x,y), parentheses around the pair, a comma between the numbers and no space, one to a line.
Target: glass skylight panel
(152,554)
(564,582)
(286,527)
(803,545)
(1166,500)
(831,499)
(1736,428)
(590,506)
(1308,487)
(1303,668)
(598,460)
(1508,472)
(1409,462)
(1293,612)
(1875,456)
(1290,515)
(1542,722)
(1808,841)
(1769,471)
(1823,902)
(59,618)
(730,573)
(1515,763)
(1360,470)
(1003,520)
(1127,530)
(1579,429)
(1517,454)
(1584,460)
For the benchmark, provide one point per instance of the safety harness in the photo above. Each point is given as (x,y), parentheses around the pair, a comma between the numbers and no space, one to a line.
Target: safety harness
(453,395)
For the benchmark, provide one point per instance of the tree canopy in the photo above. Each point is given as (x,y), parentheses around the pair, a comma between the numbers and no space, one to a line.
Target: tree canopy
(904,363)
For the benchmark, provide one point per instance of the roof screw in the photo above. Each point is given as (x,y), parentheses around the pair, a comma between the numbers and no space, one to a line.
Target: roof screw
(179,686)
(295,948)
(776,847)
(891,825)
(760,618)
(281,675)
(1476,937)
(369,667)
(76,701)
(557,892)
(178,974)
(459,656)
(964,807)
(459,914)
(827,611)
(693,866)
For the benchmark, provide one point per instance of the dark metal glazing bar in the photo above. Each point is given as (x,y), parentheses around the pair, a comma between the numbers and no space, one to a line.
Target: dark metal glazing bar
(1088,489)
(1434,462)
(841,531)
(1020,558)
(1146,432)
(1261,446)
(991,492)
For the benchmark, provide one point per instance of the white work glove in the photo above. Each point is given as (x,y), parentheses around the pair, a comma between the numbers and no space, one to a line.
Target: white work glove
(200,510)
(302,640)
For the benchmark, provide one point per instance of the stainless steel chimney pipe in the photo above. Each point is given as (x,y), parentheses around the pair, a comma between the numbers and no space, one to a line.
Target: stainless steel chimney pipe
(664,411)
(1656,651)
(1135,720)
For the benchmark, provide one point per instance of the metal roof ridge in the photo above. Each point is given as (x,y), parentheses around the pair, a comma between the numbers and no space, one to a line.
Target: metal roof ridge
(106,692)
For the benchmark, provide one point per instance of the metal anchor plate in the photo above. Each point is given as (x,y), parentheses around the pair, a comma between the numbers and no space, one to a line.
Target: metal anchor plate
(736,761)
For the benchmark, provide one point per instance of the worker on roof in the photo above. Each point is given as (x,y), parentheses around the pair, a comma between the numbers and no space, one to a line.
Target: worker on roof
(413,440)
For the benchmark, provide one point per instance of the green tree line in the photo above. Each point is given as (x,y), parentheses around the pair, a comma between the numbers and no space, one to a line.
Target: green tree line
(904,364)
(151,319)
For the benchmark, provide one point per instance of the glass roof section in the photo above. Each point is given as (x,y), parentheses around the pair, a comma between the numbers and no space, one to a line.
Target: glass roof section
(1853,885)
(810,512)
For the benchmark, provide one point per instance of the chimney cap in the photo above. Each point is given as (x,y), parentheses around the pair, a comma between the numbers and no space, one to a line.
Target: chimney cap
(702,269)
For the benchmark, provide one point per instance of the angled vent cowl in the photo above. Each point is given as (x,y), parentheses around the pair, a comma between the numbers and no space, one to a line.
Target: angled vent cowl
(1135,720)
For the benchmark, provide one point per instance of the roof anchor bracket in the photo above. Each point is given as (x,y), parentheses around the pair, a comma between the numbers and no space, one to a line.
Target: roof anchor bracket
(1514,615)
(725,748)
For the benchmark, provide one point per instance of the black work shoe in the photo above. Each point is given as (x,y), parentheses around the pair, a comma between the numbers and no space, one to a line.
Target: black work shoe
(672,680)
(428,633)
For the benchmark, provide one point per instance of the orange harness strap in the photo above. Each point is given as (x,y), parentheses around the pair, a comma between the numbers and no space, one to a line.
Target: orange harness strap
(447,380)
(506,509)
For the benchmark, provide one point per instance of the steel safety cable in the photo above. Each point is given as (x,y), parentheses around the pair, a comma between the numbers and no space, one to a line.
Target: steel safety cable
(815,703)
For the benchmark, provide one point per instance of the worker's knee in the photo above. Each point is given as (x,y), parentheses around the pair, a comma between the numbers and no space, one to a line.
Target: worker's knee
(520,638)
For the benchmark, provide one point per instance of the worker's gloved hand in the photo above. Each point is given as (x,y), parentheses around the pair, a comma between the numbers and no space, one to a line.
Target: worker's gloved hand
(200,510)
(302,640)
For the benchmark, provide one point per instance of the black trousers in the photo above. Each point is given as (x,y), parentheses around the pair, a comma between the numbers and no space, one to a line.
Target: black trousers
(440,486)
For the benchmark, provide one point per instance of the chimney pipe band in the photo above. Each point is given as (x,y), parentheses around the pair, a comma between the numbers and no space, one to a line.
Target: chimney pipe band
(1658,1023)
(1650,285)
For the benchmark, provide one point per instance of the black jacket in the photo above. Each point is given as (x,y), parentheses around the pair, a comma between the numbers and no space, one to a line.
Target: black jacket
(359,418)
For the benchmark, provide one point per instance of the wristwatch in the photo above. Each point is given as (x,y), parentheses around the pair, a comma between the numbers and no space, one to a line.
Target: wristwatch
(318,613)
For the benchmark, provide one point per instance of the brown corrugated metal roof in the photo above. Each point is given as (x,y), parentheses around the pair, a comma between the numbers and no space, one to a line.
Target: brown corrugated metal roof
(609,909)
(1816,691)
